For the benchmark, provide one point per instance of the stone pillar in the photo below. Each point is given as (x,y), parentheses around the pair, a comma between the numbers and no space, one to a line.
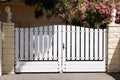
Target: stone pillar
(8,48)
(0,50)
(113,45)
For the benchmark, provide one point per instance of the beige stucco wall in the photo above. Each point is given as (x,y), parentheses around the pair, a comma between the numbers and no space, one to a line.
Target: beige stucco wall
(23,13)
(114,48)
(8,48)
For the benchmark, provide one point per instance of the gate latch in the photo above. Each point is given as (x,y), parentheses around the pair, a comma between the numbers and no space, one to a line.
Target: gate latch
(64,46)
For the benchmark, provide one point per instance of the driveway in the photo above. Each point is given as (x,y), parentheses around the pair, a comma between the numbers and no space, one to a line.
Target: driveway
(59,76)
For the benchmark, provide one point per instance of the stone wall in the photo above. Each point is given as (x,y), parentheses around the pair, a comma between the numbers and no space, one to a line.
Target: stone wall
(114,48)
(8,47)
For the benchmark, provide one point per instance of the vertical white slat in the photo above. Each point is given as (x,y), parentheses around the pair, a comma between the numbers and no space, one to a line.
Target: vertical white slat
(46,42)
(91,44)
(55,40)
(36,43)
(17,44)
(96,44)
(31,43)
(73,42)
(105,44)
(68,42)
(50,42)
(78,43)
(82,43)
(26,43)
(87,44)
(21,44)
(41,43)
(100,44)
(64,45)
(59,46)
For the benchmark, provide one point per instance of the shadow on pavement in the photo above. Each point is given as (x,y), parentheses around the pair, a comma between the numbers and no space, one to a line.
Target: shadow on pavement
(115,75)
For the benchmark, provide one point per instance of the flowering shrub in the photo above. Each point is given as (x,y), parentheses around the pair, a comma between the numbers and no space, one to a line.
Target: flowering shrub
(118,13)
(72,11)
(84,13)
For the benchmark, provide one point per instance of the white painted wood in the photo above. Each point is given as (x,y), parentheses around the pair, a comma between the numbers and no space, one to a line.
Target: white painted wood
(96,44)
(87,44)
(91,44)
(73,42)
(78,43)
(21,44)
(82,43)
(16,44)
(68,42)
(46,43)
(36,43)
(85,66)
(64,46)
(31,44)
(50,43)
(26,43)
(100,44)
(41,43)
(55,45)
(42,66)
(105,45)
(60,47)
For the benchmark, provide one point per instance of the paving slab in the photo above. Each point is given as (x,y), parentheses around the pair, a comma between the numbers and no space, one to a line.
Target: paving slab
(59,76)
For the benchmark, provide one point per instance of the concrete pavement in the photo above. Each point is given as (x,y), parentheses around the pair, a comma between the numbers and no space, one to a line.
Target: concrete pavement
(58,76)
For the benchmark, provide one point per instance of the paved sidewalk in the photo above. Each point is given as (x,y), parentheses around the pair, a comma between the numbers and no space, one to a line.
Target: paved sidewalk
(59,76)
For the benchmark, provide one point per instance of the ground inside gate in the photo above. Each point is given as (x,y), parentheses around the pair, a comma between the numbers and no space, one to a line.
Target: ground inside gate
(59,76)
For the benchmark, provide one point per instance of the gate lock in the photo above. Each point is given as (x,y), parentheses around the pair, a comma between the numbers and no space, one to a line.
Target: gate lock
(64,46)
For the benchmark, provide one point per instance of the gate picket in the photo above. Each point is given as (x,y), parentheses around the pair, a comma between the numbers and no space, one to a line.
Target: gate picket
(21,44)
(55,40)
(96,44)
(41,43)
(78,43)
(91,44)
(87,44)
(100,44)
(31,44)
(17,57)
(46,42)
(26,44)
(82,43)
(73,42)
(50,43)
(68,43)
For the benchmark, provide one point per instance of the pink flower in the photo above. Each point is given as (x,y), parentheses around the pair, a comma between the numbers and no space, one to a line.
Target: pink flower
(112,5)
(69,7)
(118,12)
(97,7)
(86,2)
(61,16)
(82,17)
(74,0)
(107,12)
(103,11)
(104,1)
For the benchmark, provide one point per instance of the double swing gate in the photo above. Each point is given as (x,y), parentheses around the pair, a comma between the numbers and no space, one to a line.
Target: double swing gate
(60,48)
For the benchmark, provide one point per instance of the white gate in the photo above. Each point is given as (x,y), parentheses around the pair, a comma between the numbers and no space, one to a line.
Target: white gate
(59,48)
